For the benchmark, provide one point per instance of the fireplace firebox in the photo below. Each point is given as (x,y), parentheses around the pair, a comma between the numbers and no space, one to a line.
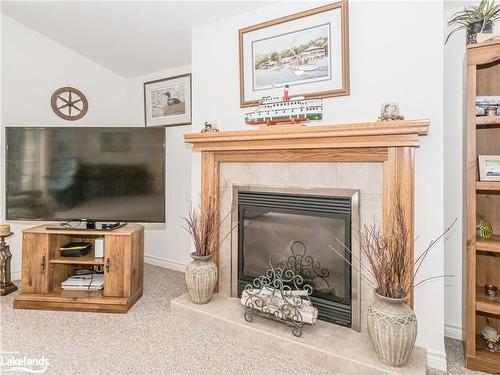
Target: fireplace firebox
(300,225)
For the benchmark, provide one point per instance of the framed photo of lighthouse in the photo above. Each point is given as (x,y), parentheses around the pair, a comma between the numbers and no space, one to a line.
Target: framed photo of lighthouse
(308,51)
(167,101)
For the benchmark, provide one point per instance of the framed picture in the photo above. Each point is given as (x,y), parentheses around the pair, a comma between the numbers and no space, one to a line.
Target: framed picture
(489,167)
(308,51)
(167,102)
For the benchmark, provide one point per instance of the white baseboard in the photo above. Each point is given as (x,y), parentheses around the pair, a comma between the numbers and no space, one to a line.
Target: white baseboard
(15,275)
(436,360)
(165,263)
(454,332)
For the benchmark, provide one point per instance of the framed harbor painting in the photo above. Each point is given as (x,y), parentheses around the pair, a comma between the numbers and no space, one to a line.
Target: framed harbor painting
(307,51)
(167,101)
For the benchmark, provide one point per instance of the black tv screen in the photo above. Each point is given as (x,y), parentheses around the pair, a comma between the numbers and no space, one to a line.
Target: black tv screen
(96,174)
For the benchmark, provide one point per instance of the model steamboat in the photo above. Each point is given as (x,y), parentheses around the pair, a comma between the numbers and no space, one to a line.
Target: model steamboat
(285,109)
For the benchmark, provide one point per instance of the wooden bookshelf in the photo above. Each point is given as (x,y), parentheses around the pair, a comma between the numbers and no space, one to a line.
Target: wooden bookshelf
(483,203)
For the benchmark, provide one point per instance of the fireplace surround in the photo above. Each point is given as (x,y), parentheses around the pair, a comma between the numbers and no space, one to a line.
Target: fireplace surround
(391,143)
(281,156)
(296,226)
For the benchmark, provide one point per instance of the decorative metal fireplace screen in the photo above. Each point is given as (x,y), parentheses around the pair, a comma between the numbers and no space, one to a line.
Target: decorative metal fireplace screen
(300,224)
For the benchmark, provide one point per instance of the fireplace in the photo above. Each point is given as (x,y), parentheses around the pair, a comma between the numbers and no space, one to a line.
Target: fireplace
(298,226)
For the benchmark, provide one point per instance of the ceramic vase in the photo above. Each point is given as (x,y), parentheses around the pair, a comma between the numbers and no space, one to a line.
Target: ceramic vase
(201,277)
(392,326)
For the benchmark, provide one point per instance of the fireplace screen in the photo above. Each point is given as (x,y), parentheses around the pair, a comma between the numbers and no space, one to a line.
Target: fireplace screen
(300,228)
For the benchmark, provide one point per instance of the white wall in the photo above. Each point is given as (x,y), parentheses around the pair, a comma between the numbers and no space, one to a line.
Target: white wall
(454,60)
(33,66)
(167,244)
(396,54)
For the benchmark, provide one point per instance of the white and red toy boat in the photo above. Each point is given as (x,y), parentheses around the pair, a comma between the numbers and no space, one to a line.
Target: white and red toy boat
(276,110)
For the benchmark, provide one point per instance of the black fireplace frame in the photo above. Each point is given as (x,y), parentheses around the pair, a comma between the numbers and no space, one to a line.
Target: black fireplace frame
(343,311)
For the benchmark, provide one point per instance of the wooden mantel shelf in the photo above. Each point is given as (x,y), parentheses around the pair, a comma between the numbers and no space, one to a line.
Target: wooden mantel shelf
(360,135)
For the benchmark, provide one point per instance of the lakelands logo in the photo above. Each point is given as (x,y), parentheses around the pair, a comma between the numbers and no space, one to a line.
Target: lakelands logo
(12,361)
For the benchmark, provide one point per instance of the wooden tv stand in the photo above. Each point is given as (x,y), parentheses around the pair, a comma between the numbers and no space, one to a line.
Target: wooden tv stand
(44,269)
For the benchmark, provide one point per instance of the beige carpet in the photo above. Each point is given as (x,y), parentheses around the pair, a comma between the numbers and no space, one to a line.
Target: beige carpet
(455,360)
(147,340)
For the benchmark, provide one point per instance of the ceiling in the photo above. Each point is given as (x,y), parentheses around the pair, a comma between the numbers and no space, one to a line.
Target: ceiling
(128,38)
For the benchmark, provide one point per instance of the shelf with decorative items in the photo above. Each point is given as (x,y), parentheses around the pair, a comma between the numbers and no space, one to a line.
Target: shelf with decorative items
(488,342)
(484,351)
(487,121)
(490,305)
(490,187)
(491,245)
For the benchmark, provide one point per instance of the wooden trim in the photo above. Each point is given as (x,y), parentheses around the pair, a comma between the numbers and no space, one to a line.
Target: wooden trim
(471,172)
(487,121)
(478,363)
(360,135)
(491,245)
(76,301)
(314,155)
(482,45)
(210,182)
(483,53)
(488,186)
(399,186)
(376,141)
(343,5)
(126,230)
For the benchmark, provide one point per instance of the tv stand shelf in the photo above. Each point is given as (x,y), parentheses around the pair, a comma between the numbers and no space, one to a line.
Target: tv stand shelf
(84,260)
(44,269)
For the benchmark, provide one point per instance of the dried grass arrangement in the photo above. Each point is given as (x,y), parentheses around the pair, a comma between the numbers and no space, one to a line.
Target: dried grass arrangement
(202,226)
(390,270)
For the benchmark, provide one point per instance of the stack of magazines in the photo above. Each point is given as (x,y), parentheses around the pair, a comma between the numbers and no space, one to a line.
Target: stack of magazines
(93,281)
(75,249)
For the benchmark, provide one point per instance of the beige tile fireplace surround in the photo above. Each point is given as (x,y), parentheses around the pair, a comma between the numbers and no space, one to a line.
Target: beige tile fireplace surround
(375,158)
(365,177)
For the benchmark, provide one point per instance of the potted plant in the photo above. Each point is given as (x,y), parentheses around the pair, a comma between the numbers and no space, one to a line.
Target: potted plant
(201,272)
(475,19)
(392,324)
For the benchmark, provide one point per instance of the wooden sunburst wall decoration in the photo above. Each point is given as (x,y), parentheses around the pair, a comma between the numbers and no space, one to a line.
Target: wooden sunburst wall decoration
(69,103)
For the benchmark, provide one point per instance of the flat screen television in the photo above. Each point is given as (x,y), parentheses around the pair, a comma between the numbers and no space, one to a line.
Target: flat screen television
(85,173)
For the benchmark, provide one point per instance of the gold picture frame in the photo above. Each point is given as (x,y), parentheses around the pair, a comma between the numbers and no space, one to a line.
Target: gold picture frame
(258,40)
